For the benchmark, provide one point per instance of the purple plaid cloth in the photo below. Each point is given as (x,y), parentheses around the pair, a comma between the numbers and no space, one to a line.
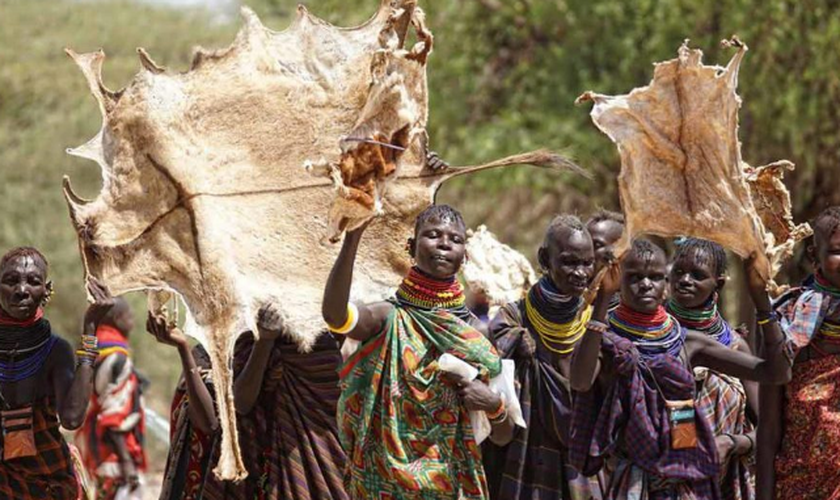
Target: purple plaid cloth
(802,311)
(629,419)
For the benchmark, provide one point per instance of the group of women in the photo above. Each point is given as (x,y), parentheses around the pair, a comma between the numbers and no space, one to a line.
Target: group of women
(647,393)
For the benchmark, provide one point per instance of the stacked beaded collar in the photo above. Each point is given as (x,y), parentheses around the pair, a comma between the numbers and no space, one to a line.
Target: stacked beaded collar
(424,292)
(24,346)
(705,319)
(653,334)
(555,317)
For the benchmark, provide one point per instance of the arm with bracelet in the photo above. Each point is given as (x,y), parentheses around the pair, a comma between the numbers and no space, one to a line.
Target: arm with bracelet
(358,322)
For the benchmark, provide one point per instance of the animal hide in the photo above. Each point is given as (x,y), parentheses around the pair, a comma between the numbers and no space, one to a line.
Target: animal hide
(681,168)
(205,193)
(495,269)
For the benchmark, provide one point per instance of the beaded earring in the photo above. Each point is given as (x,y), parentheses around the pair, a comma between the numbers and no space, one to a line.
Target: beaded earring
(48,297)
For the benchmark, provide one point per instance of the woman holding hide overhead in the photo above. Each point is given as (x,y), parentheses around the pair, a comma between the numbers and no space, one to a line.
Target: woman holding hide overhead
(404,424)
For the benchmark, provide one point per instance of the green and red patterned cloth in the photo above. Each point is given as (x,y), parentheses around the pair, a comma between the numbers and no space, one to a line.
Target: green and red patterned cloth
(406,433)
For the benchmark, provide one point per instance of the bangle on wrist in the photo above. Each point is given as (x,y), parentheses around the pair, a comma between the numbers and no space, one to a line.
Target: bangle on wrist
(752,444)
(765,317)
(499,411)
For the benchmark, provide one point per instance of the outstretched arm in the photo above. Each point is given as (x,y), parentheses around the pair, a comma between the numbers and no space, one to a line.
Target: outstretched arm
(337,294)
(200,410)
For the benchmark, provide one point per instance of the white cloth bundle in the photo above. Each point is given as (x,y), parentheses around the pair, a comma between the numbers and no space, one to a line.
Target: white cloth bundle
(502,384)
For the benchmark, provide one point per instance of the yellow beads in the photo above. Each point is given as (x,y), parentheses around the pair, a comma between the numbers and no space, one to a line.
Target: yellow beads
(557,338)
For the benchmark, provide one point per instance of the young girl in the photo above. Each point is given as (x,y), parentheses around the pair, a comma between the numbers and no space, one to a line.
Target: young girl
(698,274)
(636,401)
(800,426)
(404,426)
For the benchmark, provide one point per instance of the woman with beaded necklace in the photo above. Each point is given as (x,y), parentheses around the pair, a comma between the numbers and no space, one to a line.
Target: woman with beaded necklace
(539,333)
(799,432)
(698,273)
(403,423)
(41,384)
(635,390)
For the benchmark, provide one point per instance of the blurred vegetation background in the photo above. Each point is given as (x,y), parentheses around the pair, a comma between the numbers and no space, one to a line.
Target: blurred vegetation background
(503,78)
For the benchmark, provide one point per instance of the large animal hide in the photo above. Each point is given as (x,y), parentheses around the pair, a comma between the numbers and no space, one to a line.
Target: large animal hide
(681,167)
(205,190)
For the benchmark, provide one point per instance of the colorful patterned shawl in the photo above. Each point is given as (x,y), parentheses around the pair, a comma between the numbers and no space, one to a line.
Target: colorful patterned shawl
(406,433)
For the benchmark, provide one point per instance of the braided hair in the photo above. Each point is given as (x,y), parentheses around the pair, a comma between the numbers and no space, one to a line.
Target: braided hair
(443,213)
(605,215)
(22,252)
(559,223)
(702,250)
(646,250)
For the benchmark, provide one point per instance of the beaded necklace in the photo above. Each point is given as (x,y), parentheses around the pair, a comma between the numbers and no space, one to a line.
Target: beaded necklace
(822,285)
(25,346)
(424,292)
(652,334)
(704,319)
(554,317)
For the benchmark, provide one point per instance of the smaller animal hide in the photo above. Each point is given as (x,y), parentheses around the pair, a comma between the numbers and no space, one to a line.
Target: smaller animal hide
(500,272)
(681,168)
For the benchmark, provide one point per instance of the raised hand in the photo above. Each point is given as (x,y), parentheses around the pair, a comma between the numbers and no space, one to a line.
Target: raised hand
(435,162)
(270,322)
(165,332)
(611,283)
(756,283)
(103,302)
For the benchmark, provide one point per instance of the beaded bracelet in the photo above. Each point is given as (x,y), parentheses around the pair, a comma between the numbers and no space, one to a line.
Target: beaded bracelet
(765,318)
(596,326)
(86,357)
(90,342)
(499,414)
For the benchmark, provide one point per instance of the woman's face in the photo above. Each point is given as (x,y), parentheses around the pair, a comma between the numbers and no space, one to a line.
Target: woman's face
(604,234)
(828,257)
(570,261)
(644,281)
(23,286)
(438,247)
(693,279)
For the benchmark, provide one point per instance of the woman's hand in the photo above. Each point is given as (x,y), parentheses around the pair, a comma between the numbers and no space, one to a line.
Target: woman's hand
(435,162)
(476,395)
(756,283)
(164,332)
(611,283)
(270,322)
(103,302)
